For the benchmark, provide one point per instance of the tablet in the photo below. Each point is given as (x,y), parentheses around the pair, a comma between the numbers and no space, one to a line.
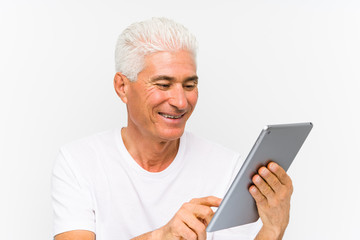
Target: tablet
(277,143)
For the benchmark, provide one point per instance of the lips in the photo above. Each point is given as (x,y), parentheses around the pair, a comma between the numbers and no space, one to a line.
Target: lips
(171,116)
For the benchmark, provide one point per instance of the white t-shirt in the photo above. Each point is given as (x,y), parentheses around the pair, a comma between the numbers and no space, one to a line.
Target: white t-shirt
(98,186)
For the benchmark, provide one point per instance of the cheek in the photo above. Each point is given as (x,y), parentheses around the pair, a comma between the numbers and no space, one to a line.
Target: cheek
(193,97)
(155,97)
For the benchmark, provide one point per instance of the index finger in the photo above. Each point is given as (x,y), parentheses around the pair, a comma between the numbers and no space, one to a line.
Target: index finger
(210,201)
(280,173)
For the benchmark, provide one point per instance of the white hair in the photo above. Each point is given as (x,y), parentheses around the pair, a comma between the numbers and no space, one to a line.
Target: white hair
(143,38)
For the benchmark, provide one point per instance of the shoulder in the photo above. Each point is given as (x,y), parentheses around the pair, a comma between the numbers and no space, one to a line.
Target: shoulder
(90,145)
(84,153)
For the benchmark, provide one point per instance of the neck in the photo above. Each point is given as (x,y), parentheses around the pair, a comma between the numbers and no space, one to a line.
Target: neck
(153,155)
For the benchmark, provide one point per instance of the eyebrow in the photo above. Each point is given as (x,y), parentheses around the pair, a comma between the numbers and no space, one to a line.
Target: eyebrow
(168,78)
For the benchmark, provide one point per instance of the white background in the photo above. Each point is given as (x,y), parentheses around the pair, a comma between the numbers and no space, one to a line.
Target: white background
(260,62)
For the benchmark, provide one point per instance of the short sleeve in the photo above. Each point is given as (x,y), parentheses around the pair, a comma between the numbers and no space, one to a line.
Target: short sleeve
(71,197)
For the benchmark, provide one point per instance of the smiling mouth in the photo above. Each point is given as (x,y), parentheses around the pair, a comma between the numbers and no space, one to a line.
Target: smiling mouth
(171,116)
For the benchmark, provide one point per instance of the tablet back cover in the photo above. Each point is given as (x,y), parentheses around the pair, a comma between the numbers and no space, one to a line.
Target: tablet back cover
(278,143)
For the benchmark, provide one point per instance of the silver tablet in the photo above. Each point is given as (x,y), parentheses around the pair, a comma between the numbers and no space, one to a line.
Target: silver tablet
(277,143)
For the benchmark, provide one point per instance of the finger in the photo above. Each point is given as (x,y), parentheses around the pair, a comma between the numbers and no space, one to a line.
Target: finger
(280,173)
(200,211)
(257,195)
(194,224)
(271,179)
(210,201)
(185,232)
(263,187)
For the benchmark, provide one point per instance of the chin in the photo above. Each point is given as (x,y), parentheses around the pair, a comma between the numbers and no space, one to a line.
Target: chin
(171,134)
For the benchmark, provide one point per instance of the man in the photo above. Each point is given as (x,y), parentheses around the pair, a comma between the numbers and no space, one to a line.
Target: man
(150,179)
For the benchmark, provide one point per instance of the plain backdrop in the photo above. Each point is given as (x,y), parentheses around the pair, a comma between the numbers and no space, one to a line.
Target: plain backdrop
(260,62)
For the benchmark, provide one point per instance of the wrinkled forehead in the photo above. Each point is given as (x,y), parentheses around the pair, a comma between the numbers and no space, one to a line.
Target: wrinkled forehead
(178,65)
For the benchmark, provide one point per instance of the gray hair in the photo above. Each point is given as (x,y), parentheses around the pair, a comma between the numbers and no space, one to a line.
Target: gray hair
(143,38)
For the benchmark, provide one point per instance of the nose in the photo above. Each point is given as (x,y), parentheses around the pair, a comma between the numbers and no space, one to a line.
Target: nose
(178,98)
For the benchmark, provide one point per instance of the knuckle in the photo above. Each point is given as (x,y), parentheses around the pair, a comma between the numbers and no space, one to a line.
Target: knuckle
(256,194)
(276,183)
(191,236)
(268,191)
(185,205)
(200,228)
(259,198)
(180,213)
(260,201)
(208,211)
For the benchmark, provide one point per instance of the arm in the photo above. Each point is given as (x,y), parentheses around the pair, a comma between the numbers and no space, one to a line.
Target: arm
(76,235)
(188,223)
(272,192)
(71,200)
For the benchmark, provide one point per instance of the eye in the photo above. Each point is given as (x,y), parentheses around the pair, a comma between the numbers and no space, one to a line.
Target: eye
(190,86)
(162,85)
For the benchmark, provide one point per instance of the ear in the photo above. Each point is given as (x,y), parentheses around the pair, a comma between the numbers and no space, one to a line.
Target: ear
(121,84)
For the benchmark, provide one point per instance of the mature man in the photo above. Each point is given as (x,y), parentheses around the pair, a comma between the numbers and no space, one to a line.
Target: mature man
(151,179)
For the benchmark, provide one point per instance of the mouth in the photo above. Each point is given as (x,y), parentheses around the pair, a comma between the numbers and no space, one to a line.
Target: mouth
(169,116)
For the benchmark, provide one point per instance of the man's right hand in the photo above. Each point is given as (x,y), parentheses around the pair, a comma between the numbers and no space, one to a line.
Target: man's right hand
(189,222)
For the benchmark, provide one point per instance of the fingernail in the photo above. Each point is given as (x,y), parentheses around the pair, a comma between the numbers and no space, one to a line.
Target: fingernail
(273,166)
(257,178)
(263,171)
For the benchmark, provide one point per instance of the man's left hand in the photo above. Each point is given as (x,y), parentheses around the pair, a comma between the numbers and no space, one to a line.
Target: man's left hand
(272,191)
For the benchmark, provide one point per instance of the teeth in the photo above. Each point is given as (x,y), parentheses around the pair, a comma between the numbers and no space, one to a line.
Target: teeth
(170,116)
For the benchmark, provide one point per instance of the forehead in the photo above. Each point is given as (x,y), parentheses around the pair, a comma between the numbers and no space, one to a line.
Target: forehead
(170,63)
